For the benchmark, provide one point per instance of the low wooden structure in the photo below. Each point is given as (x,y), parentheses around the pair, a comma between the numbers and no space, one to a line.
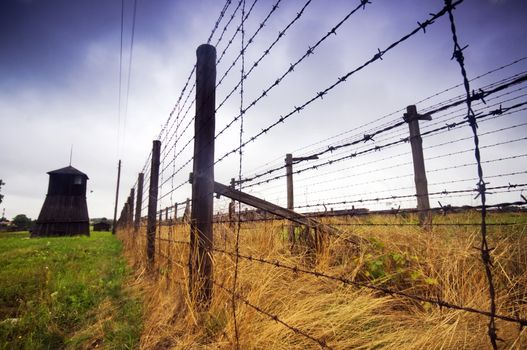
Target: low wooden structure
(102,225)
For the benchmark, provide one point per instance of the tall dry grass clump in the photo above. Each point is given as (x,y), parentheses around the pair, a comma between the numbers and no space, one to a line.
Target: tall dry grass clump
(438,264)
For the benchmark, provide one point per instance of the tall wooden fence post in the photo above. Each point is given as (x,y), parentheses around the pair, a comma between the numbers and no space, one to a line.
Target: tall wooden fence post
(289,160)
(290,196)
(139,203)
(201,238)
(159,228)
(152,204)
(421,185)
(232,207)
(186,213)
(125,213)
(116,197)
(130,222)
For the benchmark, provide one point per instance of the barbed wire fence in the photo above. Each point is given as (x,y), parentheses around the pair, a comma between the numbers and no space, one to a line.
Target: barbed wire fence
(189,235)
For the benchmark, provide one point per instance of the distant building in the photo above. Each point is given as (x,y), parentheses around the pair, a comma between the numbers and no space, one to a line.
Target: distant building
(5,224)
(102,225)
(65,212)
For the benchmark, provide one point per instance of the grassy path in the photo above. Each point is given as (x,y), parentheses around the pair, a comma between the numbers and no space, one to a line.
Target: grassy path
(65,293)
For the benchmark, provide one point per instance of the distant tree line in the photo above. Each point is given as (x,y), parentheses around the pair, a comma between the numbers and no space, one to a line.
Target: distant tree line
(22,223)
(19,223)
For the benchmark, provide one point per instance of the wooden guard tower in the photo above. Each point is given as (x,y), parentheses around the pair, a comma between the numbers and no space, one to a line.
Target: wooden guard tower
(65,212)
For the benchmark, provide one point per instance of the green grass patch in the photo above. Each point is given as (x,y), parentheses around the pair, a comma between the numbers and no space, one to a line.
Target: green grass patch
(62,293)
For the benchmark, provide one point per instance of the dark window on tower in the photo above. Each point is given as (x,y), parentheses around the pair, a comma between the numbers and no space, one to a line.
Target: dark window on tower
(77,180)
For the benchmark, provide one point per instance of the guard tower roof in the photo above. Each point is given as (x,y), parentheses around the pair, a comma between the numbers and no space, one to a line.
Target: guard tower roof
(69,170)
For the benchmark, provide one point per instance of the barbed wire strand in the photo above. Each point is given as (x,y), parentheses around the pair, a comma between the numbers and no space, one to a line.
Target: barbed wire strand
(240,168)
(222,13)
(471,117)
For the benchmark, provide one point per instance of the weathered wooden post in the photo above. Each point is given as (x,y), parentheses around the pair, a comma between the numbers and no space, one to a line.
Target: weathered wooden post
(421,185)
(201,239)
(186,213)
(124,221)
(152,204)
(121,216)
(139,202)
(159,230)
(289,160)
(116,197)
(131,208)
(160,217)
(125,213)
(290,196)
(175,213)
(129,212)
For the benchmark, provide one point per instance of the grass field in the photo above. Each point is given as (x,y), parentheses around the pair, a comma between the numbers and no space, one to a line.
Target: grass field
(65,293)
(80,293)
(442,263)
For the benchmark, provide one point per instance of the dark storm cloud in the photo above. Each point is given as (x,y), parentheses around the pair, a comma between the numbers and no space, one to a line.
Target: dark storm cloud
(43,42)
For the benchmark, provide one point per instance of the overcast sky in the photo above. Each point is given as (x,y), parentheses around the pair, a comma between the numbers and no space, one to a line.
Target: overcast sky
(59,86)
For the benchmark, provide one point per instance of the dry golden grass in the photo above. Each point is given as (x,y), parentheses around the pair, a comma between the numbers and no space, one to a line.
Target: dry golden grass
(443,263)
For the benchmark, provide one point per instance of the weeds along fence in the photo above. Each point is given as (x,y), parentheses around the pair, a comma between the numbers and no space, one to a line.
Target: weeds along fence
(418,171)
